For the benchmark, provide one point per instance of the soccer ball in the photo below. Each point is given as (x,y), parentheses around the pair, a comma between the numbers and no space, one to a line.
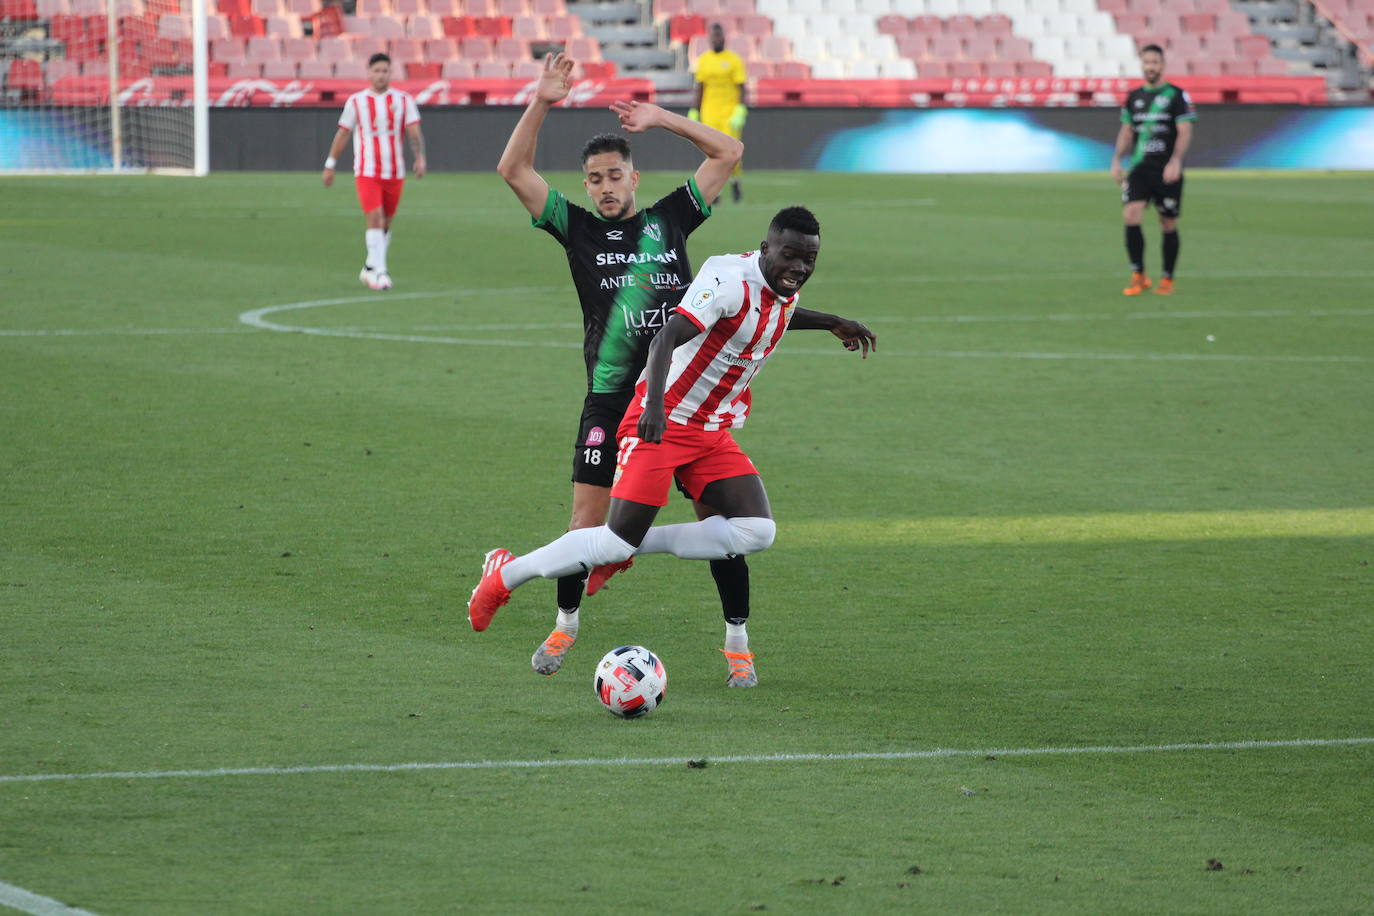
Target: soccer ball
(630,682)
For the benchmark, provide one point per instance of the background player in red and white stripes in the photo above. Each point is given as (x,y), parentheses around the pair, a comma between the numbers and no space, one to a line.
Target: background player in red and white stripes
(693,391)
(379,115)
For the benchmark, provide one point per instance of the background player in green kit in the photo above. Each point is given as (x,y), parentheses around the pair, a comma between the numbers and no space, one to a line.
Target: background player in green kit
(629,267)
(1156,131)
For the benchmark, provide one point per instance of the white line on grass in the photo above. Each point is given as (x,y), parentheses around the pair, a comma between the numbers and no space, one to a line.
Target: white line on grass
(258,318)
(87,332)
(938,753)
(16,898)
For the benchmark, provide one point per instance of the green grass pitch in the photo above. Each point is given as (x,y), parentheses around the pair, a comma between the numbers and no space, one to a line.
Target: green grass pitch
(1043,517)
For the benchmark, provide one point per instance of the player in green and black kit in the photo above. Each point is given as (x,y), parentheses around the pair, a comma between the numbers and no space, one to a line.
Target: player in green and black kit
(630,267)
(1156,131)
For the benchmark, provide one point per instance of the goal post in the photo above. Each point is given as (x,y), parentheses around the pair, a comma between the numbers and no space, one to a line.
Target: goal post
(104,86)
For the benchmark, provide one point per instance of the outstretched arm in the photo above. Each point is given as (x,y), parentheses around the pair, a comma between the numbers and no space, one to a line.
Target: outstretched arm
(517,162)
(675,333)
(335,148)
(854,334)
(723,152)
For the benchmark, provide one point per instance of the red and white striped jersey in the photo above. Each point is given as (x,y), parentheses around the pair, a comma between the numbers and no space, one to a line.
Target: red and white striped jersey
(741,322)
(378,121)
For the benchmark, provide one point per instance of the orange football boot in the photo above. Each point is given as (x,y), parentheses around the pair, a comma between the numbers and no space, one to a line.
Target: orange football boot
(1139,283)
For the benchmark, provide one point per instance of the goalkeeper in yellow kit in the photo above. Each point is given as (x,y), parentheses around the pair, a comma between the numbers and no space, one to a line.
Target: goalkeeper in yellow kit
(721,80)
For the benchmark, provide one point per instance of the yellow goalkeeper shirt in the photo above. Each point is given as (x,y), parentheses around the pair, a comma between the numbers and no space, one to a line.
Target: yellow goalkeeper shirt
(721,74)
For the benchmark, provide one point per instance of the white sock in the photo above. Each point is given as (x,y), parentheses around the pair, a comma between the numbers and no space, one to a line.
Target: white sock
(567,622)
(736,638)
(714,538)
(376,249)
(705,540)
(386,242)
(577,551)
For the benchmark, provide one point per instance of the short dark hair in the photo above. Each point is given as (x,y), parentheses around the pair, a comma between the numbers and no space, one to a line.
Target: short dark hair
(1155,48)
(376,57)
(798,219)
(606,143)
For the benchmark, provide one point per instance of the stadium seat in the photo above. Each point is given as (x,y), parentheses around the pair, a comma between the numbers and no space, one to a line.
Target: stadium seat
(513,49)
(350,70)
(388,27)
(19,10)
(686,27)
(279,70)
(563,28)
(288,26)
(365,46)
(246,26)
(24,76)
(458,26)
(493,69)
(479,8)
(512,8)
(50,9)
(245,69)
(493,26)
(264,49)
(441,8)
(548,8)
(999,69)
(1034,69)
(458,70)
(373,8)
(173,27)
(315,70)
(267,8)
(335,50)
(897,69)
(298,49)
(418,70)
(407,50)
(228,49)
(530,28)
(584,49)
(409,8)
(441,49)
(424,27)
(476,49)
(1252,46)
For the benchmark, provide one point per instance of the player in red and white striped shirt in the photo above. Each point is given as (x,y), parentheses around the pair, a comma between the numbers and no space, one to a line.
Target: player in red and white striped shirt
(694,390)
(379,115)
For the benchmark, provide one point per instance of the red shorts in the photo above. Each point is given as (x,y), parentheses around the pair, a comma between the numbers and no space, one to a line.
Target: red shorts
(379,192)
(644,471)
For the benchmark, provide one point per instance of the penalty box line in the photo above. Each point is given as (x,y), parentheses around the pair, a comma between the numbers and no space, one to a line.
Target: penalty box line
(933,754)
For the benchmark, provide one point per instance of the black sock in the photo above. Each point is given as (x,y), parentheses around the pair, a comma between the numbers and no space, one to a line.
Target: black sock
(1170,252)
(732,581)
(570,591)
(1135,248)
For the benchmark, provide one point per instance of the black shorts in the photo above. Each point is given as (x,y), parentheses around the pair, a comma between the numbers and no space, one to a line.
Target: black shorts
(1147,184)
(595,447)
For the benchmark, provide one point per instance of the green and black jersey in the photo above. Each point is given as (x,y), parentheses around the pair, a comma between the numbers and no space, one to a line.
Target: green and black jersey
(629,275)
(1154,115)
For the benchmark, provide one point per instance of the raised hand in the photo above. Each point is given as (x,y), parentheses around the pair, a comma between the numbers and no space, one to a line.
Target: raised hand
(556,81)
(637,117)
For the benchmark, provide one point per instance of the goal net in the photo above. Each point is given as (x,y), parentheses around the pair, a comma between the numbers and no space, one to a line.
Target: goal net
(78,81)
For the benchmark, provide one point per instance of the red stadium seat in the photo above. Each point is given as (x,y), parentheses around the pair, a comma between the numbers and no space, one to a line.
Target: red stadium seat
(459,26)
(1000,69)
(493,26)
(493,69)
(926,25)
(479,8)
(409,8)
(423,27)
(389,27)
(18,10)
(25,76)
(245,70)
(228,49)
(513,49)
(599,70)
(686,27)
(246,26)
(1035,69)
(298,49)
(423,71)
(548,8)
(512,8)
(996,24)
(458,70)
(1252,46)
(892,24)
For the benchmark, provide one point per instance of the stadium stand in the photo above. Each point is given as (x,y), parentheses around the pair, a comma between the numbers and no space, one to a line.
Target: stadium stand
(780,40)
